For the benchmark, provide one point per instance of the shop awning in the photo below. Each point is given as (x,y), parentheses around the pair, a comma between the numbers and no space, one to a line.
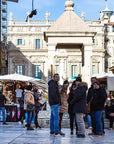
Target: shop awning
(109,78)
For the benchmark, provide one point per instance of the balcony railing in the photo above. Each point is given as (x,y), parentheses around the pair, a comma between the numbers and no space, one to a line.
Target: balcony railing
(92,21)
(34,22)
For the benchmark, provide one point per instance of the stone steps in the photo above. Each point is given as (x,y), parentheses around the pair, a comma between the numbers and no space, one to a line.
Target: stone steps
(65,123)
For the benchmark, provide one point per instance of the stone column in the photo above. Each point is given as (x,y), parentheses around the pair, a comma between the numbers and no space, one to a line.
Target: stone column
(29,68)
(87,63)
(51,55)
(61,70)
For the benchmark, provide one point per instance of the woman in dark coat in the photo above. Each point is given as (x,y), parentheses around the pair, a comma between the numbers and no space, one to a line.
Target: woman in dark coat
(70,108)
(79,107)
(97,105)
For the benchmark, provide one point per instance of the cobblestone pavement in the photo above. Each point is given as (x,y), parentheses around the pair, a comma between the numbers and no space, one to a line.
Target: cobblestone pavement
(15,134)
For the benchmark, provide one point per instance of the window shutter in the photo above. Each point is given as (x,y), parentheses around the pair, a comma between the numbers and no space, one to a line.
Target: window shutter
(33,70)
(23,69)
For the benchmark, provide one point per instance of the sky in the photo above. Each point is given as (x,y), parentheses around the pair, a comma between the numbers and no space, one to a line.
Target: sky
(57,7)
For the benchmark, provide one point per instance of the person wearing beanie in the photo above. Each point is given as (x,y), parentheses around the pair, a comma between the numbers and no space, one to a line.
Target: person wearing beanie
(79,106)
(79,79)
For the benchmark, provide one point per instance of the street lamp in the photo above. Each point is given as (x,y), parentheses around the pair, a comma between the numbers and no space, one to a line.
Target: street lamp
(33,12)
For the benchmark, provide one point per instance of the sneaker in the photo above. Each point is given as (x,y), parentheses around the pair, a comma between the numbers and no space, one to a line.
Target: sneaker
(80,135)
(27,125)
(89,128)
(30,128)
(37,126)
(57,134)
(62,134)
(76,132)
(71,132)
(5,123)
(51,133)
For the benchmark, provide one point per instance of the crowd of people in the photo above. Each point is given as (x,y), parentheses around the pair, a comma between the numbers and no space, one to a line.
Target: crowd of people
(29,103)
(75,99)
(80,102)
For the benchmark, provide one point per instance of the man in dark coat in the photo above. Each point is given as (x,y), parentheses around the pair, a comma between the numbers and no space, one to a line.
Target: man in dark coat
(54,102)
(79,107)
(109,113)
(89,98)
(2,106)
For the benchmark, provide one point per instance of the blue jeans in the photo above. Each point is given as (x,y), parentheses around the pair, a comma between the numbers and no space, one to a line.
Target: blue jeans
(89,120)
(54,119)
(3,113)
(30,116)
(97,119)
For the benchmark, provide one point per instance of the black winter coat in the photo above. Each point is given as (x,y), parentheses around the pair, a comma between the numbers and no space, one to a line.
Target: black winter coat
(53,93)
(70,107)
(36,98)
(109,110)
(2,100)
(79,99)
(98,99)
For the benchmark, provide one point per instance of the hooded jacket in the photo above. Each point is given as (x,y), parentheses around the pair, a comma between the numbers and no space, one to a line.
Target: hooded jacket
(53,93)
(79,99)
(98,99)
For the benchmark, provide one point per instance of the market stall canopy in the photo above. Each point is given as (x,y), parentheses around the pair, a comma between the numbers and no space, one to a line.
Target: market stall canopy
(103,75)
(106,77)
(17,77)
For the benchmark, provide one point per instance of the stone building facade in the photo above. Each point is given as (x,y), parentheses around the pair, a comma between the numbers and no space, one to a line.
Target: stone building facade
(69,46)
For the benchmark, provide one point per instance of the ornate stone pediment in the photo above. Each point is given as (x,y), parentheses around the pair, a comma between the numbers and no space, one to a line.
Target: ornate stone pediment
(19,59)
(38,59)
(95,60)
(74,59)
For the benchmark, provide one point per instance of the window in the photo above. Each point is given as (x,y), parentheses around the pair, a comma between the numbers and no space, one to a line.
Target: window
(93,69)
(38,71)
(106,29)
(19,41)
(74,71)
(112,28)
(20,69)
(57,69)
(37,43)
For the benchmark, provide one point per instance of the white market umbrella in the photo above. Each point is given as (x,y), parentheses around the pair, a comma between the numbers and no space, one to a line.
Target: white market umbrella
(17,77)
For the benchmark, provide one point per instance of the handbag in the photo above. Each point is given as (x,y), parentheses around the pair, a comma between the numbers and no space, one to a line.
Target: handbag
(30,107)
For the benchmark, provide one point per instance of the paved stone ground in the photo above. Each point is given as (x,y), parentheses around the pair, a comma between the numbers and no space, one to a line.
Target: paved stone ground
(15,134)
